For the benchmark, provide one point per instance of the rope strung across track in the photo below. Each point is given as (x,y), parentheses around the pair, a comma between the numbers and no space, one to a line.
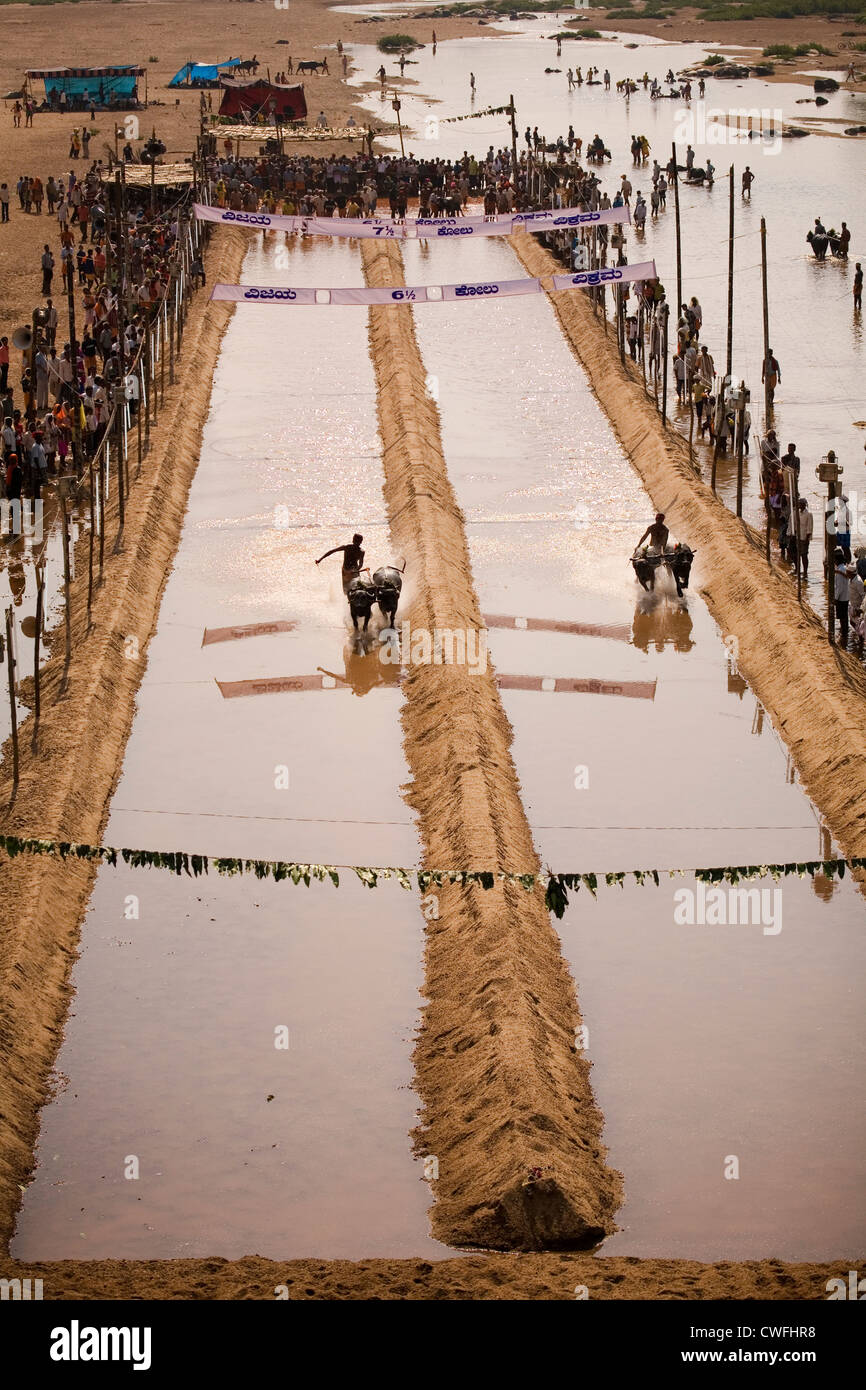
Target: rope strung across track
(557,886)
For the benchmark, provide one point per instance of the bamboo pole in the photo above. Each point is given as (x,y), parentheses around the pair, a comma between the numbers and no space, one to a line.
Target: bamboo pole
(10,659)
(37,637)
(730,343)
(768,404)
(67,588)
(676,177)
(90,552)
(741,430)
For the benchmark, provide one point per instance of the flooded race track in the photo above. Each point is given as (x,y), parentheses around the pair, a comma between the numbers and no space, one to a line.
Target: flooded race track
(708,1041)
(247,1138)
(817,338)
(182,1123)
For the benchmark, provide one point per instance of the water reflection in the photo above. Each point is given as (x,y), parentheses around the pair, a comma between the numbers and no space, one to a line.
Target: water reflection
(662,622)
(363,669)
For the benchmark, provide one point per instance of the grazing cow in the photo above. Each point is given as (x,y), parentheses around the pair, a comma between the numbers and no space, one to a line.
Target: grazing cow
(310,65)
(249,65)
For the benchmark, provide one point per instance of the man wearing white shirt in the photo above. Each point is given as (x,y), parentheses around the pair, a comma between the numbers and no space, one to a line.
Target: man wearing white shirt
(804,524)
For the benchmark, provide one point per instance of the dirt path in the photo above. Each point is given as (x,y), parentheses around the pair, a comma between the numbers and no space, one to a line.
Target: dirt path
(815,694)
(504,1089)
(535,1277)
(65,790)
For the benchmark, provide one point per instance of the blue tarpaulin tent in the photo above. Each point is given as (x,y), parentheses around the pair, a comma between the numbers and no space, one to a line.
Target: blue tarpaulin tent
(101,85)
(201,72)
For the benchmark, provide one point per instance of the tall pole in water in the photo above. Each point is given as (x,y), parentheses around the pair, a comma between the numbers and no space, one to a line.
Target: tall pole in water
(665,365)
(768,404)
(396,105)
(730,353)
(676,178)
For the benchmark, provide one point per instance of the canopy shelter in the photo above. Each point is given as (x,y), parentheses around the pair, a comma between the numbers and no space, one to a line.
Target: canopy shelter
(202,74)
(251,100)
(76,88)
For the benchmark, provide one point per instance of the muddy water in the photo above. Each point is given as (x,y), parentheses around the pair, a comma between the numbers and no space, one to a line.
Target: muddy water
(170,1056)
(817,338)
(708,1041)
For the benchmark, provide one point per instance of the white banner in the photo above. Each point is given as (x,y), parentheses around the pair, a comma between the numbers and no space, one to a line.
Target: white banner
(361,294)
(255,294)
(560,219)
(610,275)
(425,228)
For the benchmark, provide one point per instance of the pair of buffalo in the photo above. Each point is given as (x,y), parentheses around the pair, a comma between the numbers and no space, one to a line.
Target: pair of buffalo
(678,561)
(384,588)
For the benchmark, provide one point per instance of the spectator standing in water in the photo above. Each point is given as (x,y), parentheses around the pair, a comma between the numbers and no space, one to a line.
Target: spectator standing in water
(771,374)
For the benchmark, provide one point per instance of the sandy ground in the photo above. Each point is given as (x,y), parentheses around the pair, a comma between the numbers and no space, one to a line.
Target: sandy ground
(172,31)
(535,1277)
(496,1057)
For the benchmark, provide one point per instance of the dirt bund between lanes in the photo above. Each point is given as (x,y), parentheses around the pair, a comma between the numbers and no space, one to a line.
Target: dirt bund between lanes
(815,694)
(504,1089)
(65,789)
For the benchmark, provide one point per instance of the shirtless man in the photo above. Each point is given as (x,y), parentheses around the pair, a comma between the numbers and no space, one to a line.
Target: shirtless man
(658,534)
(353,559)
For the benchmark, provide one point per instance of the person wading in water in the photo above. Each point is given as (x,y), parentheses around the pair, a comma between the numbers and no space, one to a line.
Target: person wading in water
(353,559)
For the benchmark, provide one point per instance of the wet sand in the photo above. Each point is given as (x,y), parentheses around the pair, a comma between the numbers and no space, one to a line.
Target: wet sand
(531,1277)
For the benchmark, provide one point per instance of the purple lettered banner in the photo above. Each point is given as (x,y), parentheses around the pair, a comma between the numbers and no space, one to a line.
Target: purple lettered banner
(609,275)
(426,228)
(362,294)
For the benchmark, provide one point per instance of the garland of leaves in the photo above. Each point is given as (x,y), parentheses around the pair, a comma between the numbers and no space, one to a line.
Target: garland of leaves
(473,115)
(556,886)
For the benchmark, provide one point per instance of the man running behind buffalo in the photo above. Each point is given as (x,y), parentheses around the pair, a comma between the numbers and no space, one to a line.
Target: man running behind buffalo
(353,559)
(658,535)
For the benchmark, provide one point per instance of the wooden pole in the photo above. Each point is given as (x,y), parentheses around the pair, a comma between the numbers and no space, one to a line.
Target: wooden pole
(679,241)
(37,636)
(741,429)
(92,545)
(730,352)
(67,588)
(641,328)
(138,421)
(795,499)
(10,658)
(513,114)
(768,404)
(100,486)
(830,563)
(121,493)
(689,389)
(664,350)
(170,313)
(767,556)
(145,377)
